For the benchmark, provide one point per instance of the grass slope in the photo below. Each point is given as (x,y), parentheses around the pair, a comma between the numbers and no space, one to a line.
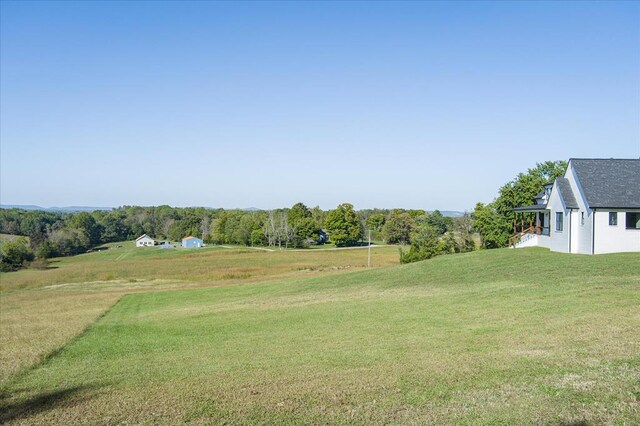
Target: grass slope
(124,261)
(498,337)
(40,310)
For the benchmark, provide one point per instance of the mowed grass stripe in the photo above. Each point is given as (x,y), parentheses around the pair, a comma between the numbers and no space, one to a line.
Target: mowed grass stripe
(501,336)
(41,310)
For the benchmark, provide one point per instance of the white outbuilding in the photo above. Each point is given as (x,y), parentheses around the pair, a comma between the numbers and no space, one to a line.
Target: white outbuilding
(192,242)
(145,241)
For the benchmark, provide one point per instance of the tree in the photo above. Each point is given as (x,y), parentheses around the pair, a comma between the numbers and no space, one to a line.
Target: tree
(258,238)
(522,190)
(463,227)
(494,230)
(83,221)
(375,222)
(343,225)
(69,241)
(301,220)
(46,250)
(205,226)
(425,244)
(276,228)
(114,227)
(14,253)
(439,222)
(494,221)
(247,223)
(398,227)
(318,215)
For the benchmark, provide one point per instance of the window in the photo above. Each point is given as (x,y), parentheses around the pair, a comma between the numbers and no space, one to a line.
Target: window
(582,218)
(633,220)
(613,218)
(559,221)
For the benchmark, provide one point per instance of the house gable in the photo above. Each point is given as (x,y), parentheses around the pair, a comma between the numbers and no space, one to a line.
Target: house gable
(608,183)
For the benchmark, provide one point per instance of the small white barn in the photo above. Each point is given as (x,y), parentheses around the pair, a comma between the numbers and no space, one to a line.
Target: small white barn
(593,209)
(145,241)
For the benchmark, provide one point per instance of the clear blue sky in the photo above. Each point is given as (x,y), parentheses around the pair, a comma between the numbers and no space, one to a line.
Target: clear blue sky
(416,105)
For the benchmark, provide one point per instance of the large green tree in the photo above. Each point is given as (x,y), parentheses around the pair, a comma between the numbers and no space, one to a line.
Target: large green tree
(343,225)
(302,223)
(437,221)
(494,221)
(14,253)
(86,223)
(398,227)
(494,230)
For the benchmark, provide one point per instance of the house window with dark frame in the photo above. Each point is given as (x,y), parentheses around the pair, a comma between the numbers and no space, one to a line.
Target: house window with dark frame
(633,220)
(613,218)
(559,221)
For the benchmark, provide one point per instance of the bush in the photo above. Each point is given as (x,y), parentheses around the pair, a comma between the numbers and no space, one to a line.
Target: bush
(14,254)
(427,242)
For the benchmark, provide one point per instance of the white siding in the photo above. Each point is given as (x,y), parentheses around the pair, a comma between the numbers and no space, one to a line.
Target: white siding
(613,239)
(581,239)
(576,230)
(534,240)
(559,240)
(143,242)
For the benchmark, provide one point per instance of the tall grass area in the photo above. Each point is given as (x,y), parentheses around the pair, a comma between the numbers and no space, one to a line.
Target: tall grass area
(491,337)
(125,262)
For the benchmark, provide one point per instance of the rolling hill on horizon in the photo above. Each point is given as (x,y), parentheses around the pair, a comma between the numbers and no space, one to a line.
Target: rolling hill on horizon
(73,209)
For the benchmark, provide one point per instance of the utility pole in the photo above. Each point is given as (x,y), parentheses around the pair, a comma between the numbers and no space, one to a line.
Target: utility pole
(369,259)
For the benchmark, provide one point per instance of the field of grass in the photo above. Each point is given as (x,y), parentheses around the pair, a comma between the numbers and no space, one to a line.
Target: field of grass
(40,310)
(207,266)
(491,337)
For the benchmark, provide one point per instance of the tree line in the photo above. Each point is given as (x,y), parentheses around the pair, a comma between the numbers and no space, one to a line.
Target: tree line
(54,234)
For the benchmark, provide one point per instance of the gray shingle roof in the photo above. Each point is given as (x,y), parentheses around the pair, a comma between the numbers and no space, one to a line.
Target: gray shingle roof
(566,193)
(613,183)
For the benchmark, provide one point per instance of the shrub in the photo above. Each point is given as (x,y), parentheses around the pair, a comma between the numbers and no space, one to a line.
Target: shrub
(14,254)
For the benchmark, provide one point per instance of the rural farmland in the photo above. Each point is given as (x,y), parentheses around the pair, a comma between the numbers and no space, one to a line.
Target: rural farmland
(468,338)
(320,213)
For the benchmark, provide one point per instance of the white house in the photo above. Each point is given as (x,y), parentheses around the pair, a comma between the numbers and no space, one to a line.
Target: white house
(593,209)
(145,241)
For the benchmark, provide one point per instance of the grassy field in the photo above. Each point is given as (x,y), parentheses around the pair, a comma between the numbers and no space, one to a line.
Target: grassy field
(40,310)
(208,266)
(492,337)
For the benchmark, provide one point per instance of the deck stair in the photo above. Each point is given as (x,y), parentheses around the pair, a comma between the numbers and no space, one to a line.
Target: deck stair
(522,237)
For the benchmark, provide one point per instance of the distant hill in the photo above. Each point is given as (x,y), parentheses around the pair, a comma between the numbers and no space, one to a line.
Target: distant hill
(68,209)
(451,213)
(72,209)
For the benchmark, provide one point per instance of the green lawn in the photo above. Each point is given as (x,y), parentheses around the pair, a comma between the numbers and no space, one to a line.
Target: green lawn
(492,337)
(41,310)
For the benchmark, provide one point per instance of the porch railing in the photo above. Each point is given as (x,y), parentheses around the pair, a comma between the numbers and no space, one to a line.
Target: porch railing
(538,230)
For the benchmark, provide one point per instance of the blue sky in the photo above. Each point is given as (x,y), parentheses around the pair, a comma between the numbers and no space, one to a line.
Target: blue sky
(416,105)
